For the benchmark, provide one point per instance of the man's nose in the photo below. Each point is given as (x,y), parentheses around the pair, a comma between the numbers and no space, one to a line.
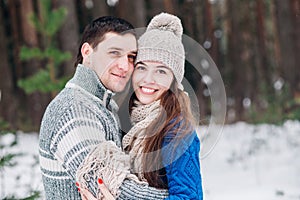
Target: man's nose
(124,63)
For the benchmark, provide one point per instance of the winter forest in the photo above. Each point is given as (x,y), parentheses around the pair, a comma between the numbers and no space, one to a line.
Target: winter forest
(254,44)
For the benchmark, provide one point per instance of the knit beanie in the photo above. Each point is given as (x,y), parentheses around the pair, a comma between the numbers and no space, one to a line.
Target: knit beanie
(162,43)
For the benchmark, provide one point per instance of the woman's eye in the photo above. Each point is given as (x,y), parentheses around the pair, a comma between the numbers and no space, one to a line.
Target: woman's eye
(140,68)
(160,71)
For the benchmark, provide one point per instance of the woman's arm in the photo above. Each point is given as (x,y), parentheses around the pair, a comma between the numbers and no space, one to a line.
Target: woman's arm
(181,160)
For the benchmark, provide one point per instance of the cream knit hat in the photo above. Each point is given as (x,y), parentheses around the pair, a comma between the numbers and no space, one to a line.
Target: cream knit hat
(162,43)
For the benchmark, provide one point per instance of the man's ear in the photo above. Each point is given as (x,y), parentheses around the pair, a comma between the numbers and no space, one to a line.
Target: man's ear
(86,50)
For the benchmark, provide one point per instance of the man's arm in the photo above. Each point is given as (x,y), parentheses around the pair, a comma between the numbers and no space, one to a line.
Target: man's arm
(112,165)
(73,143)
(131,190)
(74,138)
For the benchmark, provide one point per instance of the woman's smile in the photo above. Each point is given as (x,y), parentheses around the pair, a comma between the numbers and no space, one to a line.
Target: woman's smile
(147,90)
(150,80)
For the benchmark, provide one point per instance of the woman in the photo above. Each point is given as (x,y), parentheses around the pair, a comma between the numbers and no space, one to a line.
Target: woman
(162,145)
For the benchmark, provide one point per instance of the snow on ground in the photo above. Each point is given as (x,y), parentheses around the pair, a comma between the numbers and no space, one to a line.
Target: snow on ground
(25,176)
(254,162)
(258,162)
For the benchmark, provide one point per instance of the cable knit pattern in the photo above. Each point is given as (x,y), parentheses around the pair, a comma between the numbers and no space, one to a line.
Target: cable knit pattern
(81,117)
(182,165)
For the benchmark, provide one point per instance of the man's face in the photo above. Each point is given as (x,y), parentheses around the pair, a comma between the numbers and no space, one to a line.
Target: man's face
(113,60)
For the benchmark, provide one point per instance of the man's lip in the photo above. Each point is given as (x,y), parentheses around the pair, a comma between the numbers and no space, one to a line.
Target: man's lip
(119,75)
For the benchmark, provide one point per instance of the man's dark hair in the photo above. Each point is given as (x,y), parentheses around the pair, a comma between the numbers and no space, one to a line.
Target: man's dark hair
(95,31)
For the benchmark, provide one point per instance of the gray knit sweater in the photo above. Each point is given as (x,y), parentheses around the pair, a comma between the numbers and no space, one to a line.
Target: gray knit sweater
(80,117)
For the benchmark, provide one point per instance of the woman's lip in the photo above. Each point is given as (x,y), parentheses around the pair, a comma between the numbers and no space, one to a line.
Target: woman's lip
(147,90)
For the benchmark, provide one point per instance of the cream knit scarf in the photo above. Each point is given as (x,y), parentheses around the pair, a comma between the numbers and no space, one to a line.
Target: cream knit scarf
(109,162)
(141,117)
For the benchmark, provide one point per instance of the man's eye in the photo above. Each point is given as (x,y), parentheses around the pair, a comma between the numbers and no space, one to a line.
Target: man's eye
(115,53)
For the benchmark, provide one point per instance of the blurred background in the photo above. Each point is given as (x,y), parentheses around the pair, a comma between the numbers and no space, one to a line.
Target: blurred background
(254,43)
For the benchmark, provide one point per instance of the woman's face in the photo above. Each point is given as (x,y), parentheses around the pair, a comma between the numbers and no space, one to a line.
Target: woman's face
(150,80)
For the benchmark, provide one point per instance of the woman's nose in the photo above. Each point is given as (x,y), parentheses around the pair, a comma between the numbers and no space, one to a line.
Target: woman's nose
(149,77)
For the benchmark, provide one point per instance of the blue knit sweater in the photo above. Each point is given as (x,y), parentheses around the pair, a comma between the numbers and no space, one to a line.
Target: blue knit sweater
(180,156)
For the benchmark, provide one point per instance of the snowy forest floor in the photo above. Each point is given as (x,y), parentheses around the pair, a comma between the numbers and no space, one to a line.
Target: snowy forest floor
(258,162)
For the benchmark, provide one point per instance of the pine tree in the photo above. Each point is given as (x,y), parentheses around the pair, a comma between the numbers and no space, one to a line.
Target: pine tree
(47,24)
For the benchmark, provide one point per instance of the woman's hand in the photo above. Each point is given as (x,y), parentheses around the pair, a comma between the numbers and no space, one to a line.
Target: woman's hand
(106,193)
(87,195)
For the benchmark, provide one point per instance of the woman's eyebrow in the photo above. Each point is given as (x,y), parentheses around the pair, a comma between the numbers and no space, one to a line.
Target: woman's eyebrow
(141,63)
(162,66)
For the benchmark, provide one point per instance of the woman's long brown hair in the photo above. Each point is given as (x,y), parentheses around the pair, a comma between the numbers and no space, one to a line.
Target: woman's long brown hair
(175,108)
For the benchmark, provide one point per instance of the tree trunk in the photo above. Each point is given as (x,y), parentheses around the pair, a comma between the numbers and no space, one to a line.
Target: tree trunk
(264,66)
(210,38)
(236,47)
(29,33)
(140,12)
(69,35)
(132,11)
(15,41)
(36,102)
(276,45)
(295,17)
(193,23)
(7,99)
(155,7)
(99,9)
(169,6)
(15,29)
(287,43)
(199,21)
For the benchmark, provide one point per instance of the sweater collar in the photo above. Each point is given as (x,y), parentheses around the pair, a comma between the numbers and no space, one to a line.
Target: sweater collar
(88,80)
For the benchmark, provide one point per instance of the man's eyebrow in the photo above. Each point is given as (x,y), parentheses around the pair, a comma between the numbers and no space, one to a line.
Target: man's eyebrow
(116,48)
(120,49)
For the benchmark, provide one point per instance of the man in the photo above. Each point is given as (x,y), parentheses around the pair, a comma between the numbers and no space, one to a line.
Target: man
(82,115)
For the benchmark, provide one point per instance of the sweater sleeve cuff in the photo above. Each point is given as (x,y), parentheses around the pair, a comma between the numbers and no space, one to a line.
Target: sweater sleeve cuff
(134,191)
